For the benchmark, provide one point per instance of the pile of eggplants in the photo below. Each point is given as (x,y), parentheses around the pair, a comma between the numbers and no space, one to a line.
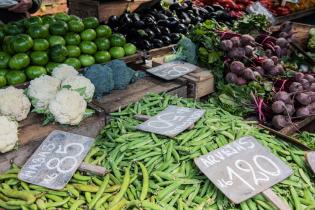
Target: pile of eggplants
(156,27)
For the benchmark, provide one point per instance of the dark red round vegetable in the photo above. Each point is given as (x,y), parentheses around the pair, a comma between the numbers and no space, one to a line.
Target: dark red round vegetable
(249,74)
(303,98)
(302,112)
(280,121)
(298,76)
(237,67)
(247,39)
(278,107)
(231,77)
(282,96)
(236,41)
(295,87)
(226,45)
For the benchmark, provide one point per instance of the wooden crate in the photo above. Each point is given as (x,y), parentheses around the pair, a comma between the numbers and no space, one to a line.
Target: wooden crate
(308,124)
(32,133)
(295,15)
(88,8)
(122,98)
(200,83)
(50,7)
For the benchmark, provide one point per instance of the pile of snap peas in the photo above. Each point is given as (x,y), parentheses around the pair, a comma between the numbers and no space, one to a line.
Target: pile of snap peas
(306,138)
(153,172)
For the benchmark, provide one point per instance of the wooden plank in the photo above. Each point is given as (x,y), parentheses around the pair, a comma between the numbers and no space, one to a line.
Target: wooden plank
(295,15)
(122,98)
(286,138)
(32,136)
(277,201)
(291,129)
(36,131)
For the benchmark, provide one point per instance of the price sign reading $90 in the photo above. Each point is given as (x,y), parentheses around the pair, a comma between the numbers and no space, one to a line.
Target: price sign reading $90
(172,70)
(243,169)
(56,160)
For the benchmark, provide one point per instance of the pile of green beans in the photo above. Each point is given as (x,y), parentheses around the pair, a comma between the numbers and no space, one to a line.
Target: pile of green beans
(154,172)
(306,138)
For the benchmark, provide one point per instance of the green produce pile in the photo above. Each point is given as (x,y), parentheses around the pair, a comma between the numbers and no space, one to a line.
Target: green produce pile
(306,138)
(32,47)
(156,172)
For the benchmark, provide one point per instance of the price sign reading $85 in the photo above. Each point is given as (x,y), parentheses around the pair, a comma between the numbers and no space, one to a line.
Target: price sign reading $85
(172,70)
(243,169)
(56,159)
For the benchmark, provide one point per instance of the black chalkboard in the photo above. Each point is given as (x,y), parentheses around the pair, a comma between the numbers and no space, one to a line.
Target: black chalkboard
(172,121)
(172,70)
(243,168)
(56,159)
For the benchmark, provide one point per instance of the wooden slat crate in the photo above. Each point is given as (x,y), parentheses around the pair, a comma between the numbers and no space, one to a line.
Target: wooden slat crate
(295,15)
(49,7)
(103,10)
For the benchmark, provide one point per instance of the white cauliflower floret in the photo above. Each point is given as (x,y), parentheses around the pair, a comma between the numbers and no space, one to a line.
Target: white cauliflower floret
(80,84)
(68,107)
(8,134)
(14,103)
(41,90)
(63,71)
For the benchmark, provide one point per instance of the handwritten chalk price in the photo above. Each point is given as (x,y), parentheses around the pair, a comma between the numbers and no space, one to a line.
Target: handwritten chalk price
(172,70)
(243,168)
(172,121)
(56,160)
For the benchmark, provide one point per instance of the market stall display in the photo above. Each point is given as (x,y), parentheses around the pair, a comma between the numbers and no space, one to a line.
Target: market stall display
(149,144)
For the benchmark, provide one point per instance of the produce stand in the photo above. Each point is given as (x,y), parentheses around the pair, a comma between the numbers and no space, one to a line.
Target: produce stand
(102,10)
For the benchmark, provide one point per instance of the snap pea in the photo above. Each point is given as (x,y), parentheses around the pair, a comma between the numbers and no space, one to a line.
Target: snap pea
(86,188)
(123,188)
(145,182)
(76,204)
(100,192)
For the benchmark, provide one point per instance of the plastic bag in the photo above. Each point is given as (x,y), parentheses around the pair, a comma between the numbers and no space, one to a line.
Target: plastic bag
(7,3)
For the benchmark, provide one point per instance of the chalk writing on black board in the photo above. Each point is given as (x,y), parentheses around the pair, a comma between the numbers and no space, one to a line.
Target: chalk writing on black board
(172,121)
(243,168)
(56,159)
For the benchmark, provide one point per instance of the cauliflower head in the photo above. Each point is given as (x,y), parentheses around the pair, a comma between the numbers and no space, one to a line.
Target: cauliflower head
(63,71)
(41,90)
(8,134)
(80,84)
(14,103)
(68,107)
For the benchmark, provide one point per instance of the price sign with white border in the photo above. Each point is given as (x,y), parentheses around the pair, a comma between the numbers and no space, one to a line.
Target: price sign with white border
(56,160)
(243,169)
(172,70)
(172,121)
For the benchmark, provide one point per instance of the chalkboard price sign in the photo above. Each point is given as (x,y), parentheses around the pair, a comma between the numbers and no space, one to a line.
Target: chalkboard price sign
(172,121)
(243,168)
(56,159)
(172,70)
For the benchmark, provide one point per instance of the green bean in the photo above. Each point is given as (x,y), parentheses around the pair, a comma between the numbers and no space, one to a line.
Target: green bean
(145,182)
(28,197)
(76,204)
(100,192)
(86,188)
(102,200)
(88,197)
(295,198)
(123,188)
